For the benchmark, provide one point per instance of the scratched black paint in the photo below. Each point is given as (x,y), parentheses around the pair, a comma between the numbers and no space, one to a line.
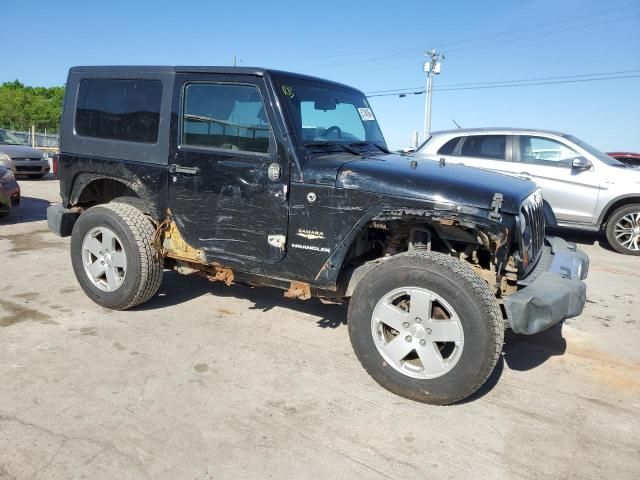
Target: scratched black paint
(230,206)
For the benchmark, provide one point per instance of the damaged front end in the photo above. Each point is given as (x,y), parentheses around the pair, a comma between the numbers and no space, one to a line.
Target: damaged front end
(550,273)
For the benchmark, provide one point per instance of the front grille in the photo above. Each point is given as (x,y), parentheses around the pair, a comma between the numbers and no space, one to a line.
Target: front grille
(28,168)
(532,238)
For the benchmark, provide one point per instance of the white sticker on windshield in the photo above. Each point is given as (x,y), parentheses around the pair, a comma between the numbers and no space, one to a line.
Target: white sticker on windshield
(366,114)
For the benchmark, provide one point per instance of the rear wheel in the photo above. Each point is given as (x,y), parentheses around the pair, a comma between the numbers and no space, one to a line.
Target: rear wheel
(426,327)
(623,230)
(113,258)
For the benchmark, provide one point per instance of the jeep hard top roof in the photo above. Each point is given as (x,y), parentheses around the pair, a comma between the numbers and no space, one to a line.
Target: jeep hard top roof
(140,70)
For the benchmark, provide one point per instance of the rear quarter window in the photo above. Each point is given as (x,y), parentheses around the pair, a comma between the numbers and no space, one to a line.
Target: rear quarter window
(449,147)
(115,109)
(485,146)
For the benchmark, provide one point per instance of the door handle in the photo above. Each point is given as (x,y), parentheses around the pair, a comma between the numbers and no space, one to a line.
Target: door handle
(173,168)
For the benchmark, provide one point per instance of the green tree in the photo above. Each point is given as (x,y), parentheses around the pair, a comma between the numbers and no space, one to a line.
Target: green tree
(22,106)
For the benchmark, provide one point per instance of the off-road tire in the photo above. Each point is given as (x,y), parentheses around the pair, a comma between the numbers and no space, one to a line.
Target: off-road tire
(610,228)
(466,292)
(144,266)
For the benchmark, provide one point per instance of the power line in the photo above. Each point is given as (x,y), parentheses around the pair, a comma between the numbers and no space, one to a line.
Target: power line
(482,87)
(537,27)
(407,53)
(501,82)
(539,34)
(620,72)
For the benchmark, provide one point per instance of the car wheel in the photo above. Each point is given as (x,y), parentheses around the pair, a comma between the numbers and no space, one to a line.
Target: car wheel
(623,230)
(113,258)
(426,327)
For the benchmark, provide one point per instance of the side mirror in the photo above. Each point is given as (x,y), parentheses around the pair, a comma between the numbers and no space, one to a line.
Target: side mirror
(580,163)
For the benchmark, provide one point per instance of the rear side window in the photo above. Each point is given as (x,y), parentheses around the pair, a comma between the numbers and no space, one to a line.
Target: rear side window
(226,116)
(485,146)
(127,110)
(449,147)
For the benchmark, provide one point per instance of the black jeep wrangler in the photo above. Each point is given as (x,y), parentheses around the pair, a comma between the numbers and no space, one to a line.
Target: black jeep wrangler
(261,177)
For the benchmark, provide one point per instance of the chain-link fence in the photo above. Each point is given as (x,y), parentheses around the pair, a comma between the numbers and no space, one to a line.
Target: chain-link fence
(40,139)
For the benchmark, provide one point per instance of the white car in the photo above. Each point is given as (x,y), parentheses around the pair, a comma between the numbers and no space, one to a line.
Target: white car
(583,187)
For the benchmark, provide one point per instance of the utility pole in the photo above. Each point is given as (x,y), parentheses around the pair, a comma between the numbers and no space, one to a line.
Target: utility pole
(432,67)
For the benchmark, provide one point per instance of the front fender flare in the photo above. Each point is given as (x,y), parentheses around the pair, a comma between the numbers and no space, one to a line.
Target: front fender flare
(332,268)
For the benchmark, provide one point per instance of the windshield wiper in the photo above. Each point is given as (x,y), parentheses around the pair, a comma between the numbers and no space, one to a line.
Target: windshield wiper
(366,142)
(331,144)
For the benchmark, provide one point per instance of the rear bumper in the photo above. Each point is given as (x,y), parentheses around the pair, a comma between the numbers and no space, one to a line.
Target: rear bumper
(61,220)
(552,292)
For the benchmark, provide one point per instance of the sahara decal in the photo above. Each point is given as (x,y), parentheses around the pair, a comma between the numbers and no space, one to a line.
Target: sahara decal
(310,234)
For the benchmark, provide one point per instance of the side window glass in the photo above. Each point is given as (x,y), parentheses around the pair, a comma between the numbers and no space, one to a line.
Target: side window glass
(544,151)
(485,146)
(226,116)
(449,147)
(126,110)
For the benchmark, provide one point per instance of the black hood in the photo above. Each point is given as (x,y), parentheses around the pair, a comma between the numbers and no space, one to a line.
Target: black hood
(420,179)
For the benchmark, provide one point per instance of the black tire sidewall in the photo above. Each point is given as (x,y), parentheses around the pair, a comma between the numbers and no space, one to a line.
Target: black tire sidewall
(96,217)
(610,229)
(478,329)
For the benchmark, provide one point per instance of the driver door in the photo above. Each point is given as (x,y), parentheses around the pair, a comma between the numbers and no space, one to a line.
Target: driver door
(228,181)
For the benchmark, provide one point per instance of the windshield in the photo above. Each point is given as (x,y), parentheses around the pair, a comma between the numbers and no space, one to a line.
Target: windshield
(326,113)
(603,157)
(7,138)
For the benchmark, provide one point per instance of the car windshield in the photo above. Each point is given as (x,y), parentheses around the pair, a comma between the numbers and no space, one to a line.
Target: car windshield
(7,138)
(324,113)
(603,157)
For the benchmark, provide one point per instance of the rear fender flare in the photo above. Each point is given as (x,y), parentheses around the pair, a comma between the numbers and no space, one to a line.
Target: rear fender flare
(83,180)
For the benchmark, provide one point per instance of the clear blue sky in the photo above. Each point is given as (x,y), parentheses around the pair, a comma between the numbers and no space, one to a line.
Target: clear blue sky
(370,45)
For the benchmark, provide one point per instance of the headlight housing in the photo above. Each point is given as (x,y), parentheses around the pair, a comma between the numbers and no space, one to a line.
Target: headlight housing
(7,177)
(4,156)
(45,156)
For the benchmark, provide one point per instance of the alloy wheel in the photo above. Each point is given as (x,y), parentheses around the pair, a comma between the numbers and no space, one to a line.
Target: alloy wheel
(104,259)
(417,332)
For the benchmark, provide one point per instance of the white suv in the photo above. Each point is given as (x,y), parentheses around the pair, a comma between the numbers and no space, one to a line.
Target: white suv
(583,187)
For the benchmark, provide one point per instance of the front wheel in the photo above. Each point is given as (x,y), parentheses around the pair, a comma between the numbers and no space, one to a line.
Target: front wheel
(623,230)
(426,327)
(113,258)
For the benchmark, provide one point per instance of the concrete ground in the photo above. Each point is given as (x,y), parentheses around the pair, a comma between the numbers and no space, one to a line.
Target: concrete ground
(207,381)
